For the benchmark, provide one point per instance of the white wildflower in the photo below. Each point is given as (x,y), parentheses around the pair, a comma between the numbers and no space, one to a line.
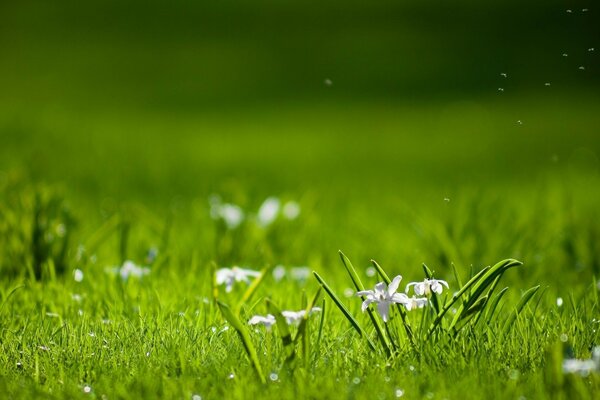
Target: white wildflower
(384,296)
(229,276)
(231,214)
(78,275)
(268,321)
(300,273)
(279,273)
(294,317)
(427,286)
(415,302)
(268,211)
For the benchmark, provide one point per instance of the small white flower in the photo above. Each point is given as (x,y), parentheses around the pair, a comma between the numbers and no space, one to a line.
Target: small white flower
(427,286)
(279,273)
(384,296)
(294,317)
(231,214)
(291,210)
(268,211)
(415,302)
(229,276)
(78,275)
(129,268)
(300,273)
(268,321)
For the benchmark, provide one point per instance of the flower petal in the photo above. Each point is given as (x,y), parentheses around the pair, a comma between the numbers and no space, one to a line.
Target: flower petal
(366,303)
(365,293)
(384,309)
(393,287)
(380,288)
(400,298)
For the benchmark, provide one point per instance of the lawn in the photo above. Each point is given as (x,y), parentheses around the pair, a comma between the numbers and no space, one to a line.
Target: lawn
(130,188)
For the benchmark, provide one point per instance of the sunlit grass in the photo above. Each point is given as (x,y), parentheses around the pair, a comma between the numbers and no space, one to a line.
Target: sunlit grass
(110,248)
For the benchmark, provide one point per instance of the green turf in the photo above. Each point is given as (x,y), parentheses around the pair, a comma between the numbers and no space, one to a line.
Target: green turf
(417,186)
(120,121)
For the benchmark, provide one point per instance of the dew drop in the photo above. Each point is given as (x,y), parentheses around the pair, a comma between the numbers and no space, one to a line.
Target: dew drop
(563,337)
(399,392)
(273,377)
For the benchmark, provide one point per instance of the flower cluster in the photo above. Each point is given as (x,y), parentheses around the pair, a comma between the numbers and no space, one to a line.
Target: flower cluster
(233,215)
(228,276)
(385,295)
(291,317)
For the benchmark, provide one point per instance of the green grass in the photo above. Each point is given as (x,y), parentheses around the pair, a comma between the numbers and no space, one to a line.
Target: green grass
(403,184)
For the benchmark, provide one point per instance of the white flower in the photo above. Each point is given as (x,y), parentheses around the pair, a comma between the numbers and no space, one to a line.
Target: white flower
(78,275)
(583,367)
(267,213)
(291,210)
(294,317)
(128,269)
(384,295)
(279,273)
(229,276)
(300,273)
(415,302)
(231,214)
(268,321)
(427,286)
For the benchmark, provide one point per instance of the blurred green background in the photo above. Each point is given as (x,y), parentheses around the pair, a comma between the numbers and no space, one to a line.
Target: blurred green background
(391,122)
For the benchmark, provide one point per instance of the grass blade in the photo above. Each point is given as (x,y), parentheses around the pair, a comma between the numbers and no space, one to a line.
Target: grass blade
(284,331)
(244,336)
(480,286)
(454,299)
(492,308)
(252,289)
(359,286)
(528,295)
(344,310)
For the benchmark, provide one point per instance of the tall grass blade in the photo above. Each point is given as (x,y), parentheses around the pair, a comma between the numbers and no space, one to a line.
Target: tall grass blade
(359,286)
(528,295)
(344,310)
(284,331)
(245,338)
(252,289)
(454,299)
(494,304)
(480,286)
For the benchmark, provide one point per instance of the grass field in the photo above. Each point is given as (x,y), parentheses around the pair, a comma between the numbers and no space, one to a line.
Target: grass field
(122,194)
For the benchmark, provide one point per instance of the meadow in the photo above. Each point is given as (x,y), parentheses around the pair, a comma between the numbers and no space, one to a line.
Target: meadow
(129,190)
